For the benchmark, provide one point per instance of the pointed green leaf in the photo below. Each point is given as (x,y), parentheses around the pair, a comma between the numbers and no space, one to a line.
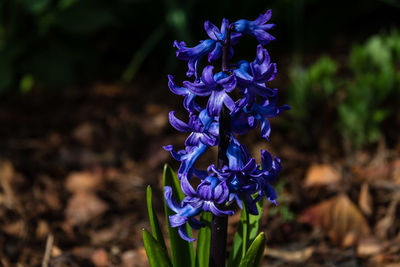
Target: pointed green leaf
(157,255)
(204,241)
(240,239)
(182,251)
(254,221)
(155,225)
(246,232)
(255,253)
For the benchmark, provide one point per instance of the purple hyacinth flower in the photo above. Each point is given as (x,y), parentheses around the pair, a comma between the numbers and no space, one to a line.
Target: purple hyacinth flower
(253,76)
(188,158)
(202,128)
(240,175)
(189,103)
(257,28)
(267,108)
(184,213)
(210,193)
(194,54)
(217,87)
(220,36)
(270,170)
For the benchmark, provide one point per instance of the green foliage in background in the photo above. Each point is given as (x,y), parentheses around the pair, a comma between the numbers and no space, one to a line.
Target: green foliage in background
(358,93)
(374,79)
(310,87)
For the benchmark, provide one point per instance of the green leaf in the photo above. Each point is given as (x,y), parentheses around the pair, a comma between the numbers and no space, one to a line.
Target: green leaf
(155,225)
(255,253)
(26,83)
(157,255)
(204,241)
(245,234)
(181,250)
(254,221)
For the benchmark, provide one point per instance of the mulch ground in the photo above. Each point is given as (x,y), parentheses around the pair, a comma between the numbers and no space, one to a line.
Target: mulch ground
(74,166)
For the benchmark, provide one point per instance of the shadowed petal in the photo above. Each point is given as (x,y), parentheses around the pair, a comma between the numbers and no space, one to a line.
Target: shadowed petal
(178,124)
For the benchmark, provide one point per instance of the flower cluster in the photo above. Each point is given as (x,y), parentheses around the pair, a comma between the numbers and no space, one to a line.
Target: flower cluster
(241,179)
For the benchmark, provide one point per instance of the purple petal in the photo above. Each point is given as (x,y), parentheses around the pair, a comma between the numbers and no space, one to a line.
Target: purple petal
(177,220)
(197,88)
(270,193)
(175,155)
(216,53)
(263,18)
(262,36)
(178,124)
(169,199)
(266,160)
(235,38)
(212,31)
(187,188)
(265,129)
(215,103)
(184,235)
(229,103)
(176,89)
(228,83)
(208,77)
(217,212)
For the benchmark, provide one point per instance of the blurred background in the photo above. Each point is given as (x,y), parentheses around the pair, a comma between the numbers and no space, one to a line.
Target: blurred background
(83,112)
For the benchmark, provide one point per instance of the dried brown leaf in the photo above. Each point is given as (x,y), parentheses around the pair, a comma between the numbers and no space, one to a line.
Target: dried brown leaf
(83,181)
(369,246)
(386,225)
(323,174)
(294,256)
(100,258)
(134,258)
(340,218)
(365,200)
(83,207)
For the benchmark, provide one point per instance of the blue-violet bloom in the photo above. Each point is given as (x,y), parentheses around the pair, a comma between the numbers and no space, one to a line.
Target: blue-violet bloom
(210,193)
(217,87)
(257,28)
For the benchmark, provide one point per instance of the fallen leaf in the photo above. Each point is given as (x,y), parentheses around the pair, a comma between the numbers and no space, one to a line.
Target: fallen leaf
(322,175)
(294,256)
(83,181)
(365,200)
(396,171)
(6,174)
(83,207)
(42,229)
(369,246)
(340,218)
(134,258)
(386,225)
(52,199)
(100,258)
(15,228)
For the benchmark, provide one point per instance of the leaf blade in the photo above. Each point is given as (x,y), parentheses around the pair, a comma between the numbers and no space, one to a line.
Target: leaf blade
(246,233)
(255,253)
(204,241)
(156,254)
(155,225)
